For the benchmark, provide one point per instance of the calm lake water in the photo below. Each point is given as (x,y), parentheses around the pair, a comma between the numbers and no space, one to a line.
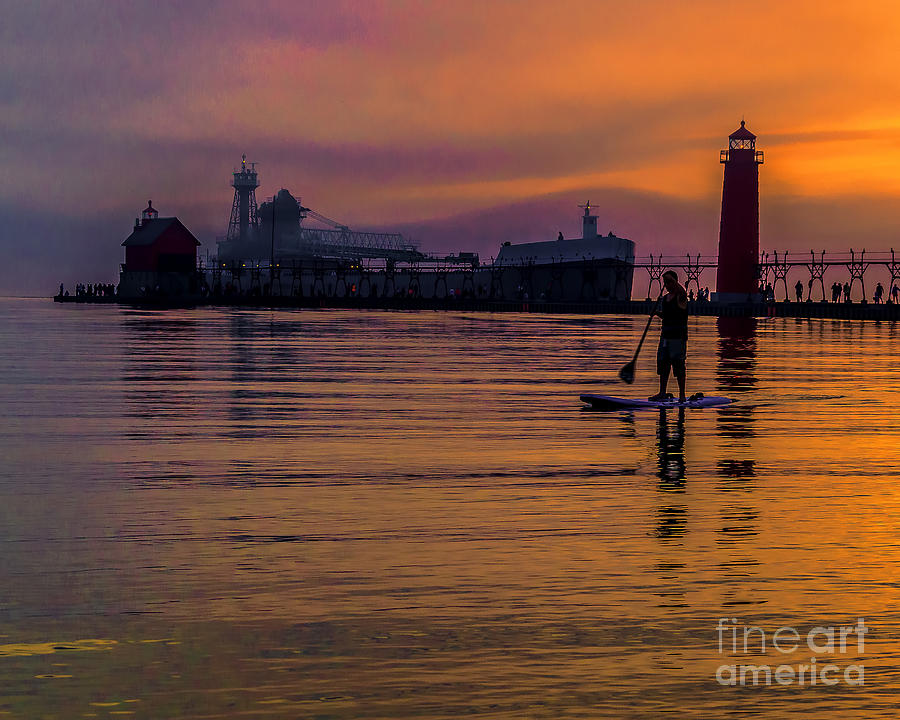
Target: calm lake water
(338,514)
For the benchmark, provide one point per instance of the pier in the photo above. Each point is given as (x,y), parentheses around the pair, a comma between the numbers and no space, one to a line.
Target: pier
(356,286)
(839,310)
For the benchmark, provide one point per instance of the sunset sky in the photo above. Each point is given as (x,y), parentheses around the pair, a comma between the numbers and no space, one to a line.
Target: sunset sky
(462,124)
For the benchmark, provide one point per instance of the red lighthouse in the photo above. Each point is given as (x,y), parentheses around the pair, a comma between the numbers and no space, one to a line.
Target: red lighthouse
(736,280)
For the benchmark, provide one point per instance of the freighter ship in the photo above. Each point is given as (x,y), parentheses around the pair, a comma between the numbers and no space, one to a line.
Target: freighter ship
(586,268)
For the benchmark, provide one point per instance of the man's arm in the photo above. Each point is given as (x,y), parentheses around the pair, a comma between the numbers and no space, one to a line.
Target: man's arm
(658,307)
(681,298)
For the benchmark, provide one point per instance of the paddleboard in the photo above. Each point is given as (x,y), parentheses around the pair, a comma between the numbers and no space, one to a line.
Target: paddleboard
(606,402)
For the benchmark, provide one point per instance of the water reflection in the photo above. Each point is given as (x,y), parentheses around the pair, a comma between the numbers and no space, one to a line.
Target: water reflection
(670,446)
(628,426)
(161,368)
(738,523)
(736,374)
(741,470)
(671,470)
(736,377)
(736,353)
(325,506)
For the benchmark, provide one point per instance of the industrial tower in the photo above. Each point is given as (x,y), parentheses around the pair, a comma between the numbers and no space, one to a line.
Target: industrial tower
(737,279)
(244,222)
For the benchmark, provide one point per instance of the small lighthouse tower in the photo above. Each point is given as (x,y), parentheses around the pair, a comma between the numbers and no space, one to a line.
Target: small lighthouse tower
(588,223)
(736,280)
(244,221)
(147,214)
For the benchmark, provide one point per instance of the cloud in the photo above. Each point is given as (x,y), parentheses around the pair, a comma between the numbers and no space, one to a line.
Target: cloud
(390,113)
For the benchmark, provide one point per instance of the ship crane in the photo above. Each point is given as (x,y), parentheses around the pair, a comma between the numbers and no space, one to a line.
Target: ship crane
(340,241)
(358,245)
(305,211)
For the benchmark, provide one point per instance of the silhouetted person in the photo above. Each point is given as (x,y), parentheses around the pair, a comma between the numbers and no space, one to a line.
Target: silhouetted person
(798,288)
(895,294)
(672,351)
(847,293)
(835,292)
(879,293)
(560,236)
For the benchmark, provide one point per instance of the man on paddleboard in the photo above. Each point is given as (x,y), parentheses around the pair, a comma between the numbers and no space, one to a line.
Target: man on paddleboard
(672,352)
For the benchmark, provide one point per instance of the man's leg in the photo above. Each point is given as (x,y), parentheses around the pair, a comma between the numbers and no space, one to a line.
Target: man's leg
(678,367)
(681,380)
(663,365)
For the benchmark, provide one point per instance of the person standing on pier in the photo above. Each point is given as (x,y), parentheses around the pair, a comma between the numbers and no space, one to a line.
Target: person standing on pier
(798,288)
(672,352)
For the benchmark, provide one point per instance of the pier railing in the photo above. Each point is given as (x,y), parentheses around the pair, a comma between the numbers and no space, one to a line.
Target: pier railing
(780,271)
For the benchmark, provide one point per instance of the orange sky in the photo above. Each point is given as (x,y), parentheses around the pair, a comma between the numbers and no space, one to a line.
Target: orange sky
(390,113)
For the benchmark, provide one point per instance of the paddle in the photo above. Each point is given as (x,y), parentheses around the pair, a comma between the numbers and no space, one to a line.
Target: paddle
(626,374)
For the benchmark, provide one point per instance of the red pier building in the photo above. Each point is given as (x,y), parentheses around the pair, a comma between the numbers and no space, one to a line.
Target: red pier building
(160,258)
(737,279)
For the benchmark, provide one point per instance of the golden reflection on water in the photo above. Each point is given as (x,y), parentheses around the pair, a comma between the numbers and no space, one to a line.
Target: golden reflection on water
(342,514)
(48,648)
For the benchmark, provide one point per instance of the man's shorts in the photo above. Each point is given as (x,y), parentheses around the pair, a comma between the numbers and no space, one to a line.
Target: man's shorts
(671,354)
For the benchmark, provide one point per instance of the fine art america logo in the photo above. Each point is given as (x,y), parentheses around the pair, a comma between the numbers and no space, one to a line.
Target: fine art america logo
(825,644)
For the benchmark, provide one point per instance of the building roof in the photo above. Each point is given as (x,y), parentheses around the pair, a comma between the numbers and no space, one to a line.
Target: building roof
(603,247)
(150,231)
(742,133)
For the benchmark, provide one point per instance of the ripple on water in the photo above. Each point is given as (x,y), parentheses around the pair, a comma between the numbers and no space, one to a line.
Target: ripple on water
(365,514)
